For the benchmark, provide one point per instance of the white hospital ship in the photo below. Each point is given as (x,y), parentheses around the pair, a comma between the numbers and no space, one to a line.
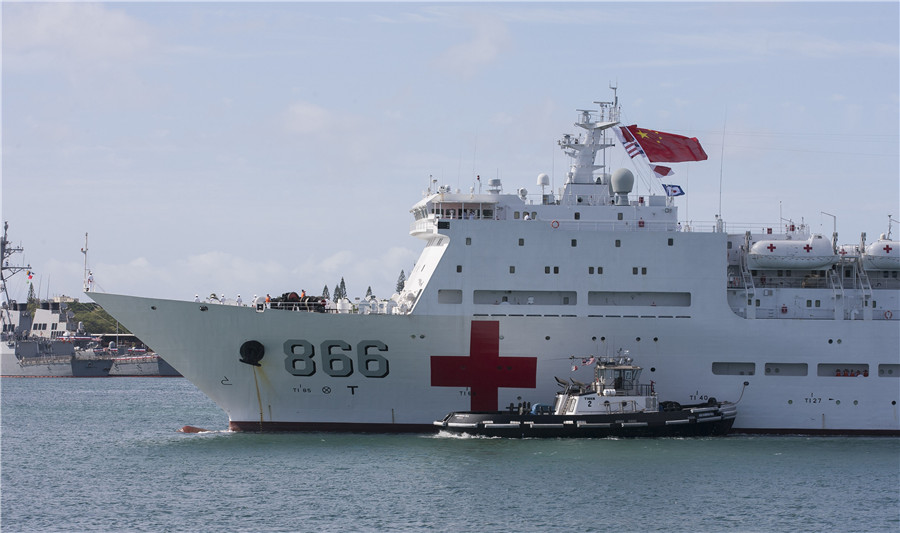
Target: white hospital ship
(802,331)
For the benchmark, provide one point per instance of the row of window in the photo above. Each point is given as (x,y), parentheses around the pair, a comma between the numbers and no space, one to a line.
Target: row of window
(802,369)
(35,327)
(574,242)
(591,270)
(577,215)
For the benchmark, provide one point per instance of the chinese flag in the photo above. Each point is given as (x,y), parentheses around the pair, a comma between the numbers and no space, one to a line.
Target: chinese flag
(661,147)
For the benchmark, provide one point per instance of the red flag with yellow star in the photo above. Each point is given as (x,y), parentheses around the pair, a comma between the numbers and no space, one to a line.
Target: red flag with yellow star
(661,147)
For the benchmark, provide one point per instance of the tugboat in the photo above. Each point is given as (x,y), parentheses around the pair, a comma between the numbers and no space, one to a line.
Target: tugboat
(614,404)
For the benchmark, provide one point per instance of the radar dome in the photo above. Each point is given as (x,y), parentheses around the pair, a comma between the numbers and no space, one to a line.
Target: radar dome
(543,180)
(622,181)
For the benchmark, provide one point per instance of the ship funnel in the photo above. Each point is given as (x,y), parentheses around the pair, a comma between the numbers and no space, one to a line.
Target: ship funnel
(622,182)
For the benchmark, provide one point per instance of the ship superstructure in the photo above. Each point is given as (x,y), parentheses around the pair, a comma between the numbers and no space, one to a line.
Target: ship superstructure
(508,286)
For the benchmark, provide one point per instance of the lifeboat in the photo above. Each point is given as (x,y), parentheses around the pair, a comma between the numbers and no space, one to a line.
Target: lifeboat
(882,255)
(814,253)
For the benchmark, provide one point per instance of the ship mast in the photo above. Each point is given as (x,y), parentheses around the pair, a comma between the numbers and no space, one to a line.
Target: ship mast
(85,251)
(5,252)
(609,112)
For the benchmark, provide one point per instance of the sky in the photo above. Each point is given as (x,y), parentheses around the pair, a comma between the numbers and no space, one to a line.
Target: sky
(259,148)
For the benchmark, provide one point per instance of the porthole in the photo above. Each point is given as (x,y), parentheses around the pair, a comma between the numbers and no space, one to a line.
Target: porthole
(837,402)
(652,369)
(547,338)
(637,339)
(790,402)
(204,308)
(153,307)
(855,402)
(655,339)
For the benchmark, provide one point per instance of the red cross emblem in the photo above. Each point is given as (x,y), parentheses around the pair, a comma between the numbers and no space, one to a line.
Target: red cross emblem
(887,248)
(771,247)
(843,252)
(808,248)
(484,371)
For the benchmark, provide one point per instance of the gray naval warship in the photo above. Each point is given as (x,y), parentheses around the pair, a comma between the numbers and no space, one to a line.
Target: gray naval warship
(48,343)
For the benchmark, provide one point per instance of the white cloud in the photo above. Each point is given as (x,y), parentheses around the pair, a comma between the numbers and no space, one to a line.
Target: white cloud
(308,119)
(491,37)
(70,35)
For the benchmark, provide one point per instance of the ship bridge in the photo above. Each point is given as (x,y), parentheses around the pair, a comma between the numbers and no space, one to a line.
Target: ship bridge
(580,207)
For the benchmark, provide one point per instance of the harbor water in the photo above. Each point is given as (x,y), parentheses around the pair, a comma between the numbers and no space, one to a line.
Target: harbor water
(105,455)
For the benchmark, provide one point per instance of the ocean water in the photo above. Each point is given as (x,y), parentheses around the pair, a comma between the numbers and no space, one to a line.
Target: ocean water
(104,455)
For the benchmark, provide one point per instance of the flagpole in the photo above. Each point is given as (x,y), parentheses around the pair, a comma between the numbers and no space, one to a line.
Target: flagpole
(722,159)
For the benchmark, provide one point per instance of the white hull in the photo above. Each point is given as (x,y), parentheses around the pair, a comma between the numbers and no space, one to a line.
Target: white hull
(204,347)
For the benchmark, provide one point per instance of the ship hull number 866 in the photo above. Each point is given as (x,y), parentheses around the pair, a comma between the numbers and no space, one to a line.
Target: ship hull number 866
(337,358)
